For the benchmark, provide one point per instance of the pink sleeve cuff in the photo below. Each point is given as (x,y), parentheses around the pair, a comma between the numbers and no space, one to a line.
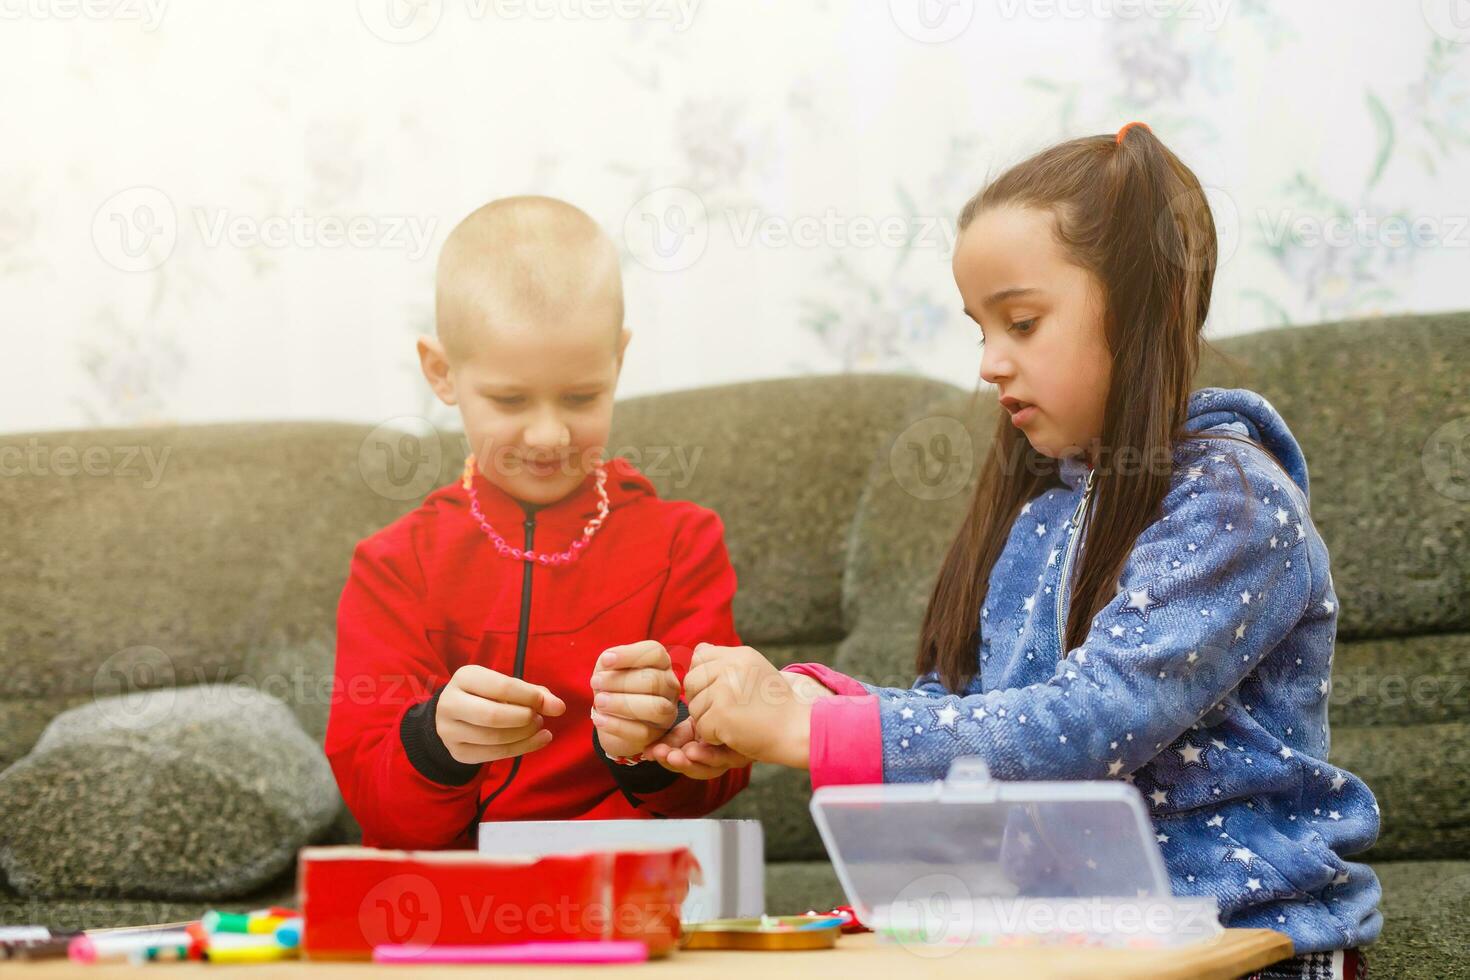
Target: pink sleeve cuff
(835,681)
(846,741)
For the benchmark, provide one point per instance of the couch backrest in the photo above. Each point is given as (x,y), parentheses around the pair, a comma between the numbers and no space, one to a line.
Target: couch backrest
(204,553)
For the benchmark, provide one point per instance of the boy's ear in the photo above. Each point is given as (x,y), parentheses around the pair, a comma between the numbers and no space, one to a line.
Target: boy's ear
(623,346)
(435,365)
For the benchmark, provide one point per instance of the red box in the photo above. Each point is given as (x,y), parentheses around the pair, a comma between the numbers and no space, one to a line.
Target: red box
(355,898)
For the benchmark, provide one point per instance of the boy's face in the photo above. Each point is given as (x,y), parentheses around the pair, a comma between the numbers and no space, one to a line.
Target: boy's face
(536,401)
(1041,323)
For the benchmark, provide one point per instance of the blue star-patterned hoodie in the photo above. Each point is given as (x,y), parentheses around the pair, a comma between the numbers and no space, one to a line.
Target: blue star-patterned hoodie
(1204,683)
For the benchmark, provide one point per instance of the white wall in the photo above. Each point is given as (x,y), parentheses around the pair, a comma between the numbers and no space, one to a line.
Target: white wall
(741,117)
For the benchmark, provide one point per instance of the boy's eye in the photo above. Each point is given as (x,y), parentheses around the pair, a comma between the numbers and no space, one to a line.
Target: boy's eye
(1024,326)
(509,401)
(580,399)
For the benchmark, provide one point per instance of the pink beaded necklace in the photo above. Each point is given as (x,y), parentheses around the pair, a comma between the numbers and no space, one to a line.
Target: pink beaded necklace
(505,549)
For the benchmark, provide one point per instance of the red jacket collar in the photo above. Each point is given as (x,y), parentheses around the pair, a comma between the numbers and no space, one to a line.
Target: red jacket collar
(505,513)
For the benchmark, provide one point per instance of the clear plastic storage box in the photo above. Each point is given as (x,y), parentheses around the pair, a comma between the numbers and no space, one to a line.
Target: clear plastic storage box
(975,861)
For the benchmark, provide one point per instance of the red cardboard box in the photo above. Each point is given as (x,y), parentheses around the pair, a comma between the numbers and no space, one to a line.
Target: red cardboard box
(355,898)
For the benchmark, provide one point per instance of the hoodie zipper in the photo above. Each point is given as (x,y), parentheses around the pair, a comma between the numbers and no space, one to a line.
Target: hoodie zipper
(1067,564)
(523,632)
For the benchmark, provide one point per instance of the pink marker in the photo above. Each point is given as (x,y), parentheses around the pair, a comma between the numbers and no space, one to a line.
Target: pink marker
(610,951)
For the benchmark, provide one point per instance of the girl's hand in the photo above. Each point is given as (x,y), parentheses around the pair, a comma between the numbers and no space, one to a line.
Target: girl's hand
(635,697)
(681,751)
(738,699)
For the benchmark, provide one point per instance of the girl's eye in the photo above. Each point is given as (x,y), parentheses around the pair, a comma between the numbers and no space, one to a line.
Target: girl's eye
(1024,326)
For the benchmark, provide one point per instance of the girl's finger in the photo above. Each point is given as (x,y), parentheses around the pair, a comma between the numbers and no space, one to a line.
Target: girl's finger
(715,756)
(647,708)
(699,678)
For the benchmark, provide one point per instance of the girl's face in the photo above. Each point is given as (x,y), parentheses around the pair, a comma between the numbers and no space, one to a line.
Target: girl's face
(1041,325)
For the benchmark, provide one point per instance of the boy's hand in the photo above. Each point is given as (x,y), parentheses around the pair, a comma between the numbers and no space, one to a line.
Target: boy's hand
(682,752)
(484,715)
(635,697)
(738,699)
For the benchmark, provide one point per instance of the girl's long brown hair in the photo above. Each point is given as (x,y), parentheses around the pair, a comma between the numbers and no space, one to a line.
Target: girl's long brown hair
(1134,216)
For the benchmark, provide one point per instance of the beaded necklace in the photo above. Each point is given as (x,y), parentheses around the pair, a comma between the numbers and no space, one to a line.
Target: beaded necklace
(504,547)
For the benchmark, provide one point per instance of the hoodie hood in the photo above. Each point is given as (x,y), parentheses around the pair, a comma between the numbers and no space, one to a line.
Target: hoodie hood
(1235,410)
(1247,414)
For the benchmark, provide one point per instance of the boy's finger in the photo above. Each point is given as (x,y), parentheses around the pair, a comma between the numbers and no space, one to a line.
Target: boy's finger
(628,731)
(492,753)
(647,708)
(644,680)
(479,735)
(495,686)
(681,734)
(496,714)
(645,653)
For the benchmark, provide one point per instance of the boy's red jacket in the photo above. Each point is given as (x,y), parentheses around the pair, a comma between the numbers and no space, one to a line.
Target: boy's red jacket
(429,593)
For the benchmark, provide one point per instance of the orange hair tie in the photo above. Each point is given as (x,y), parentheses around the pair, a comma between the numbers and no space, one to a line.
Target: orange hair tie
(1118,140)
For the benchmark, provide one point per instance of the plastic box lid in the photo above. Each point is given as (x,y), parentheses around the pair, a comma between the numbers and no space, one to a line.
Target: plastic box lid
(971,860)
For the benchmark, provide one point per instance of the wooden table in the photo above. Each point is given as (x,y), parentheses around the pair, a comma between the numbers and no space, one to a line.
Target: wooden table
(858,957)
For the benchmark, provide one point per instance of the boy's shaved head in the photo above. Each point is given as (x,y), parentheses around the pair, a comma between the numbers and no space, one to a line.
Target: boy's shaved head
(525,263)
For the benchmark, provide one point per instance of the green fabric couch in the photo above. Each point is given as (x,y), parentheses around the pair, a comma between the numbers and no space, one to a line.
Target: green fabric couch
(839,496)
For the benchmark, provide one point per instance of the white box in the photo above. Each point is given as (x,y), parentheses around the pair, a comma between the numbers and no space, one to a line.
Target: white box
(731,854)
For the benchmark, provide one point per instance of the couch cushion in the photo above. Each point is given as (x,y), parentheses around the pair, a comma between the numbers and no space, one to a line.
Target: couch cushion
(192,792)
(1382,411)
(1420,775)
(196,547)
(1426,920)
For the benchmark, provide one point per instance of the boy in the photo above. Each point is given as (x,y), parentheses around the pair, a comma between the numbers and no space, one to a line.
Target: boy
(509,649)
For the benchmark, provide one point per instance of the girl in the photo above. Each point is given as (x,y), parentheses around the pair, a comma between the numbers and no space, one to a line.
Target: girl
(1137,591)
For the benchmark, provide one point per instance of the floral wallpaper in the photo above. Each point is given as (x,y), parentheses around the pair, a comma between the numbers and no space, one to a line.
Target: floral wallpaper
(213,212)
